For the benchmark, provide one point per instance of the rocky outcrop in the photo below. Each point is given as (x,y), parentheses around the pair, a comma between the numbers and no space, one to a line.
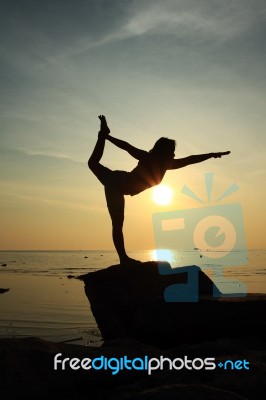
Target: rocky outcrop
(131,303)
(153,304)
(3,290)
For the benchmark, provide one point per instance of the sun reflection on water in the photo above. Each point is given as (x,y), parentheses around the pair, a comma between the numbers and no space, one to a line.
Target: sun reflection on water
(163,255)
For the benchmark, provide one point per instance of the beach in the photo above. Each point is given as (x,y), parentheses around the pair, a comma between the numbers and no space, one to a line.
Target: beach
(45,312)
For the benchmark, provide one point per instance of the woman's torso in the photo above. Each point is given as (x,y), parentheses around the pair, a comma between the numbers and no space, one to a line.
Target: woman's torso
(149,172)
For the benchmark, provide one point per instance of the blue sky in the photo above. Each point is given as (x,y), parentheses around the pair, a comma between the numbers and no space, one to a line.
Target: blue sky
(193,70)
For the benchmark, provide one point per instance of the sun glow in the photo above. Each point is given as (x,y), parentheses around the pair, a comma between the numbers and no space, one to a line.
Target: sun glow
(162,195)
(163,255)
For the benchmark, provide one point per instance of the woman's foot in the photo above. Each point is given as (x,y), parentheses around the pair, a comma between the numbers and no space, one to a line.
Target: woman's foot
(104,127)
(127,261)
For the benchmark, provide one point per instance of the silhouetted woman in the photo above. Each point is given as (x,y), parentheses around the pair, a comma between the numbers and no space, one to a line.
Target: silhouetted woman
(149,172)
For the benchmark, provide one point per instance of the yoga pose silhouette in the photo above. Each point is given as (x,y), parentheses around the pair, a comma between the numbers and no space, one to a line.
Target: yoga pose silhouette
(149,172)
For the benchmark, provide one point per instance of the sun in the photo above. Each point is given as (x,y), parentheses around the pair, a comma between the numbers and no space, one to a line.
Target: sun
(162,195)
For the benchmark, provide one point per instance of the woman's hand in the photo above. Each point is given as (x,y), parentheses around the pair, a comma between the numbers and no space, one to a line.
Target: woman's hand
(219,155)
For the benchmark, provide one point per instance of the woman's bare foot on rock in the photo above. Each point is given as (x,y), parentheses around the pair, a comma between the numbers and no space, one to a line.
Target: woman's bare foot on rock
(104,127)
(130,262)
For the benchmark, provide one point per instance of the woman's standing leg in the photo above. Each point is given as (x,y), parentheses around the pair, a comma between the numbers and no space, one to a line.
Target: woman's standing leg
(116,207)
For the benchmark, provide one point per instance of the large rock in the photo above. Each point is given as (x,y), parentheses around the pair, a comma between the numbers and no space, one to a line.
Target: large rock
(138,302)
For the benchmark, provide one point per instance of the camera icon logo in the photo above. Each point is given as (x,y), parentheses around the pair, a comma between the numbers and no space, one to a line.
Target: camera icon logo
(210,237)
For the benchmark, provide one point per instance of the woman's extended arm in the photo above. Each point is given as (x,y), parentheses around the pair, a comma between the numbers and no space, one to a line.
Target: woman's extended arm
(183,162)
(133,151)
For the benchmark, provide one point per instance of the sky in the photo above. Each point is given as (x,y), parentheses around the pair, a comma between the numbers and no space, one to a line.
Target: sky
(191,70)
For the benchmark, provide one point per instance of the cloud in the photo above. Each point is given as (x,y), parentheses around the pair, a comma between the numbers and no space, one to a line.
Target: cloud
(50,154)
(221,19)
(22,194)
(194,20)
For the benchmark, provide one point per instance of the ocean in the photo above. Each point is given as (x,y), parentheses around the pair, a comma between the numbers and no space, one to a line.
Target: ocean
(43,301)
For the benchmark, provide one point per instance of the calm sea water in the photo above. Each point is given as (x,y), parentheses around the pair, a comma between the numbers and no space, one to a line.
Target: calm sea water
(43,301)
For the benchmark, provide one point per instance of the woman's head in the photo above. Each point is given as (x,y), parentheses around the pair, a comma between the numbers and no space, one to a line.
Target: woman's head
(164,148)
